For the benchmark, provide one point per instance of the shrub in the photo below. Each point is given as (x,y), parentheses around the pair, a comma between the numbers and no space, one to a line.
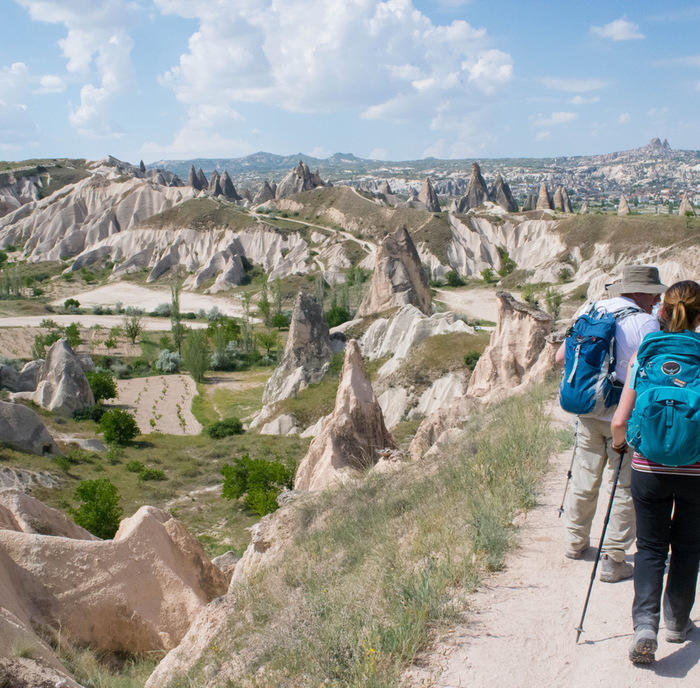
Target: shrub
(133,327)
(259,480)
(162,310)
(3,257)
(553,299)
(99,510)
(71,305)
(89,412)
(63,463)
(529,296)
(453,279)
(168,361)
(102,384)
(118,426)
(565,275)
(151,474)
(72,333)
(134,466)
(279,320)
(507,263)
(225,428)
(471,358)
(336,315)
(489,275)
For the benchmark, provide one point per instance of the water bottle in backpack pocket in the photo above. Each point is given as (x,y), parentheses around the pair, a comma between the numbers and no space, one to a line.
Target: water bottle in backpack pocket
(665,423)
(589,384)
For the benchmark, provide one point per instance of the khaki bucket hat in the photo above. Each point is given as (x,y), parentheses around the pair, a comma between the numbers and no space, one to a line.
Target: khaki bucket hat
(637,279)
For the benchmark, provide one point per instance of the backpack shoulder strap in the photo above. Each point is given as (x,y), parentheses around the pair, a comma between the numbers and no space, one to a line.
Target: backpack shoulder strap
(625,312)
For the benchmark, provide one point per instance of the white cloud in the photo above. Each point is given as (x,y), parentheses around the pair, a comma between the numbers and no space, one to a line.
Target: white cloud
(378,154)
(51,83)
(623,118)
(13,82)
(97,40)
(618,30)
(684,61)
(541,135)
(573,85)
(384,59)
(554,119)
(581,100)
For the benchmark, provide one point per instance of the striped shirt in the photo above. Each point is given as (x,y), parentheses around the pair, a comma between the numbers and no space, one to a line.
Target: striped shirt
(639,463)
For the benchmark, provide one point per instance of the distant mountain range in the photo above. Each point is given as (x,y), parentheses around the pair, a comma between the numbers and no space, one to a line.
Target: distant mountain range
(650,170)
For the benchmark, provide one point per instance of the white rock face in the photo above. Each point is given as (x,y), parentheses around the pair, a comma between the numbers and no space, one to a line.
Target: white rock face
(314,429)
(282,425)
(409,327)
(441,394)
(137,593)
(354,434)
(515,345)
(61,384)
(394,402)
(21,428)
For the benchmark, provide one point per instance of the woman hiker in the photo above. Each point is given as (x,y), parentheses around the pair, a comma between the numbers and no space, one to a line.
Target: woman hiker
(661,405)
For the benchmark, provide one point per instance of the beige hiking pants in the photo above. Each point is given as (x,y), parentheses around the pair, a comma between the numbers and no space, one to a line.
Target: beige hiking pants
(593,457)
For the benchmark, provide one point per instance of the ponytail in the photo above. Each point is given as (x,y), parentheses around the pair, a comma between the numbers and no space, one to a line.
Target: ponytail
(681,306)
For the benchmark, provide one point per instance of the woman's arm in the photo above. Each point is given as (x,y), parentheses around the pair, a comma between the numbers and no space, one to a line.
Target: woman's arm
(624,410)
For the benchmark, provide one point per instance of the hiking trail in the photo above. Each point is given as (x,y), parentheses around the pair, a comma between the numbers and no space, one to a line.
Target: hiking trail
(519,629)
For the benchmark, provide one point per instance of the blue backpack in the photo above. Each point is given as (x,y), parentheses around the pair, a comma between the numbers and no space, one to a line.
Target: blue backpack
(665,423)
(589,384)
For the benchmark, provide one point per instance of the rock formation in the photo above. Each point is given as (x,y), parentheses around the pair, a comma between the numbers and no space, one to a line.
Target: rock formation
(477,193)
(61,383)
(297,180)
(428,197)
(214,187)
(23,381)
(515,345)
(398,277)
(193,180)
(558,200)
(353,435)
(307,352)
(502,195)
(544,202)
(530,202)
(584,208)
(623,207)
(566,201)
(21,428)
(137,593)
(686,206)
(265,193)
(201,179)
(32,516)
(385,189)
(227,188)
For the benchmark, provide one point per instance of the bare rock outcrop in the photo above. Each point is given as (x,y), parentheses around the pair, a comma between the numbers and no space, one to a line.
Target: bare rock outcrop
(502,195)
(515,345)
(544,202)
(385,189)
(435,425)
(215,184)
(264,193)
(202,179)
(297,180)
(137,593)
(353,435)
(307,353)
(193,179)
(23,381)
(584,208)
(22,429)
(477,193)
(33,516)
(565,200)
(686,206)
(228,189)
(61,384)
(530,202)
(428,197)
(623,207)
(398,277)
(558,200)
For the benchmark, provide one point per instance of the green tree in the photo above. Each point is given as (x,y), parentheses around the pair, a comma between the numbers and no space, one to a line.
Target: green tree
(553,299)
(264,305)
(259,480)
(99,510)
(176,326)
(195,353)
(507,263)
(118,426)
(133,328)
(279,320)
(102,384)
(72,333)
(453,279)
(268,340)
(489,275)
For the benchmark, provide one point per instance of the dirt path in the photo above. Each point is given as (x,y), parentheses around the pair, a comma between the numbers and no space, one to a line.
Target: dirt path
(520,631)
(476,303)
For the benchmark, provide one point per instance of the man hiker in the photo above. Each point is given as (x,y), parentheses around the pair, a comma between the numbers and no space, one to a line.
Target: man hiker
(631,302)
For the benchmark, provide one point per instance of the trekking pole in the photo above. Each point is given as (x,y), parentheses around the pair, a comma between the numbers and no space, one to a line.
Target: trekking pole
(579,628)
(566,487)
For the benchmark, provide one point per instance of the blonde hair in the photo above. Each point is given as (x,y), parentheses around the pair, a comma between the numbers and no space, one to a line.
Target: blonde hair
(681,306)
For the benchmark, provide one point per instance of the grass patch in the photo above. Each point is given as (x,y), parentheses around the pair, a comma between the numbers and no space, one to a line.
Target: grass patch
(203,214)
(375,567)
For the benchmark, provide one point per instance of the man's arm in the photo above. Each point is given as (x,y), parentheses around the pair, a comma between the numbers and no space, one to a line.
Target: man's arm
(560,356)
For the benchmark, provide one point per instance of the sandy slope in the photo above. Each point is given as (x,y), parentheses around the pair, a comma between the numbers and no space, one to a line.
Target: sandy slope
(476,303)
(520,631)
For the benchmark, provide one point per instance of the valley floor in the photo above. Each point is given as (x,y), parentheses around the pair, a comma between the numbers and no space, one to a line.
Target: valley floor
(520,629)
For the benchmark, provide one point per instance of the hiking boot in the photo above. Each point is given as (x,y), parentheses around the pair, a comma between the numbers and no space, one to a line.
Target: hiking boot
(679,636)
(643,646)
(576,552)
(612,571)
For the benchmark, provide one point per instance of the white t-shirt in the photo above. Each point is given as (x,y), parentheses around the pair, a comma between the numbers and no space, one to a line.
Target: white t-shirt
(629,332)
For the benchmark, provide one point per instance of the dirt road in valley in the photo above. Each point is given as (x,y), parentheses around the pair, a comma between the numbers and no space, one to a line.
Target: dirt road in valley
(520,630)
(475,303)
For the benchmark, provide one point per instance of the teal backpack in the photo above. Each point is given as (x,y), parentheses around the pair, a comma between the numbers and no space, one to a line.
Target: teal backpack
(665,423)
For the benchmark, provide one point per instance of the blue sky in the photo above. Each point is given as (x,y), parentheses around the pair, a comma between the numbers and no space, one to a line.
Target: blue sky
(398,79)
